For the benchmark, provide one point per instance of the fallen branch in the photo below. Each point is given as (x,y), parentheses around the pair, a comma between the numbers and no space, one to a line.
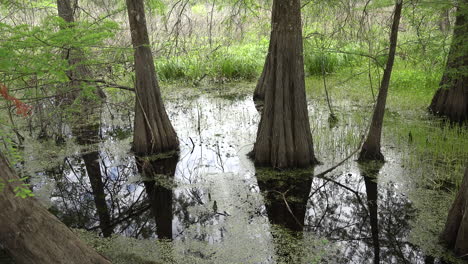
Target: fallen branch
(107,84)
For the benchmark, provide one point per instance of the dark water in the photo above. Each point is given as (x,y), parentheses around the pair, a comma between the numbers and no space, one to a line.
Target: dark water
(216,207)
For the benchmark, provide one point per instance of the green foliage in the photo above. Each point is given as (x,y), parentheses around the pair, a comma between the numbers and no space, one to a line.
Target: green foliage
(156,5)
(238,62)
(21,189)
(36,50)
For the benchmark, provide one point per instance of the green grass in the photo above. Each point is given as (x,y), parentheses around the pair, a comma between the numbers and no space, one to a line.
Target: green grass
(238,62)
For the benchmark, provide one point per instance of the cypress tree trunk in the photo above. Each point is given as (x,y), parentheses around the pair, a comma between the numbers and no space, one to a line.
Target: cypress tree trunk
(451,99)
(284,139)
(153,130)
(75,56)
(371,147)
(455,234)
(86,124)
(31,234)
(259,93)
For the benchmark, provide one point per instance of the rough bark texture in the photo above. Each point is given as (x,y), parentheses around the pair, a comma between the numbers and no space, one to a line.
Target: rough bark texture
(32,235)
(455,234)
(153,130)
(284,139)
(371,147)
(158,178)
(451,99)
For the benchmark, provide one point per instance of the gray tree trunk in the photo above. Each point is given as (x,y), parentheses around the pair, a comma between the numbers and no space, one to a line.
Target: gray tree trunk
(75,56)
(32,235)
(455,234)
(153,130)
(86,124)
(371,147)
(284,138)
(451,99)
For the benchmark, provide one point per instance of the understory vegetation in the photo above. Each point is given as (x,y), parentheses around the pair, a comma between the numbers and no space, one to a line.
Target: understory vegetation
(217,49)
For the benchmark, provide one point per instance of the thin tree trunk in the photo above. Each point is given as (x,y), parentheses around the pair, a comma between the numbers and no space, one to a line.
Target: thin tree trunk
(31,234)
(86,124)
(153,130)
(75,56)
(371,147)
(451,99)
(455,234)
(284,138)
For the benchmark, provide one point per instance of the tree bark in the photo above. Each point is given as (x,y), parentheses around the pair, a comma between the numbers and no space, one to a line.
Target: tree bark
(75,56)
(284,139)
(371,147)
(455,234)
(31,234)
(153,130)
(86,124)
(451,99)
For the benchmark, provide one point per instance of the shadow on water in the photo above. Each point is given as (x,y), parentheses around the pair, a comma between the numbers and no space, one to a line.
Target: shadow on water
(216,207)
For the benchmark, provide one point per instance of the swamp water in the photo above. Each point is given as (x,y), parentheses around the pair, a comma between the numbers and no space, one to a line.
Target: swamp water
(211,205)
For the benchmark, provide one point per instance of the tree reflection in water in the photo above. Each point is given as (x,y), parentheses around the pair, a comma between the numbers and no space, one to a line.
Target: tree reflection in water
(372,232)
(364,217)
(158,179)
(286,194)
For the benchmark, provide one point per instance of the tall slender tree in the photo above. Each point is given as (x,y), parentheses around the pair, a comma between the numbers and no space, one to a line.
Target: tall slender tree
(153,130)
(451,99)
(75,56)
(284,138)
(371,147)
(86,124)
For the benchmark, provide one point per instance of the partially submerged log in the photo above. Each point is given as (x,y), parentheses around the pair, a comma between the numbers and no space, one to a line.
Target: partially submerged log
(32,235)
